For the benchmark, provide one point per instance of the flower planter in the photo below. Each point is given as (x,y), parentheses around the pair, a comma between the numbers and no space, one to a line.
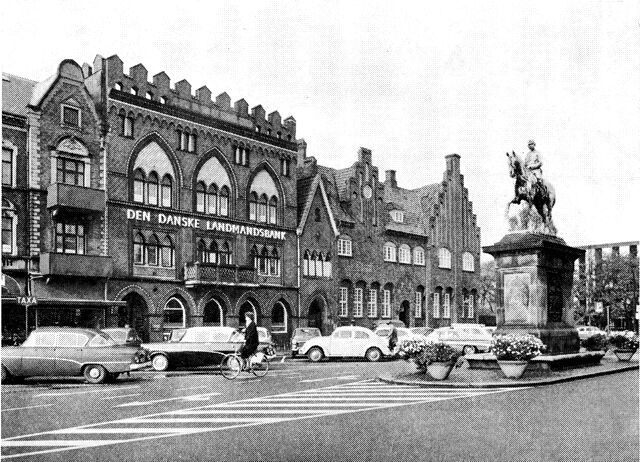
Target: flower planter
(513,369)
(439,371)
(623,355)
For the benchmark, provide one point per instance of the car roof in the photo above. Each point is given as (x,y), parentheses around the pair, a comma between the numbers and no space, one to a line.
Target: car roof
(211,328)
(77,330)
(360,328)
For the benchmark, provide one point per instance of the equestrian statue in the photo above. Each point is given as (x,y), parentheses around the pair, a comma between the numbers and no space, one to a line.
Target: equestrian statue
(531,188)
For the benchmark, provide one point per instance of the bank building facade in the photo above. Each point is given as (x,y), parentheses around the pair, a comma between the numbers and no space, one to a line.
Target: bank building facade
(127,200)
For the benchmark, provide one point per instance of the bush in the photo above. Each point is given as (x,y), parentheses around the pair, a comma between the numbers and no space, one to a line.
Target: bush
(514,347)
(624,342)
(596,342)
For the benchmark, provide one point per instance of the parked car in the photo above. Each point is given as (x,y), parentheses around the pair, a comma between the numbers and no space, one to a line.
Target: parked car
(584,332)
(383,330)
(468,339)
(70,351)
(199,346)
(123,335)
(347,341)
(424,331)
(300,336)
(395,322)
(491,329)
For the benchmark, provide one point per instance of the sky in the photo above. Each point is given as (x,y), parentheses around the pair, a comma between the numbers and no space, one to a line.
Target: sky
(412,81)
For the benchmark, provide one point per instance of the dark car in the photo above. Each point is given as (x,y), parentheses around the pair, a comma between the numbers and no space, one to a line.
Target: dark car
(69,351)
(123,335)
(301,335)
(199,346)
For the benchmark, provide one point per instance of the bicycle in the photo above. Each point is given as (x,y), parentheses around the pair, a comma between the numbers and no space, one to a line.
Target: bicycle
(232,364)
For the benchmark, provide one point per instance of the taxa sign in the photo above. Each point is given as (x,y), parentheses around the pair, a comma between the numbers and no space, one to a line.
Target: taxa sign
(207,225)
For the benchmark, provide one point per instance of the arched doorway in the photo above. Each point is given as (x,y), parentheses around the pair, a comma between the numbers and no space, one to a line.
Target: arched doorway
(213,313)
(135,314)
(405,313)
(317,315)
(247,306)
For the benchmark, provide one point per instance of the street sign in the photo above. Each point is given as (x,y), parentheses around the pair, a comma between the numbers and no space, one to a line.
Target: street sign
(599,308)
(26,301)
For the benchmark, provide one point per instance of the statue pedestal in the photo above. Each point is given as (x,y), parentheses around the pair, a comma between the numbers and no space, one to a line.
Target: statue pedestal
(533,289)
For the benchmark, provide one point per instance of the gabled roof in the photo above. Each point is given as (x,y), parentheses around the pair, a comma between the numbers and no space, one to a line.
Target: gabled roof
(16,93)
(411,202)
(311,190)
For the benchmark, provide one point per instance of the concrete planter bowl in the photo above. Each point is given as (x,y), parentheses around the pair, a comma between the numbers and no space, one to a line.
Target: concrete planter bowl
(440,370)
(513,369)
(623,354)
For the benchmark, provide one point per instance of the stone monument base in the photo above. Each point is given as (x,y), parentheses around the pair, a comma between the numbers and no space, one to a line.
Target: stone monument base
(542,362)
(558,337)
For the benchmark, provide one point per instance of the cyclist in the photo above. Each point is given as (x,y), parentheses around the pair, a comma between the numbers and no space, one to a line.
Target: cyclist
(251,340)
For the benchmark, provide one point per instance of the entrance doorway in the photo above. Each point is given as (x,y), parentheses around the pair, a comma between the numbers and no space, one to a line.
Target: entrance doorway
(405,313)
(213,313)
(317,315)
(247,306)
(135,314)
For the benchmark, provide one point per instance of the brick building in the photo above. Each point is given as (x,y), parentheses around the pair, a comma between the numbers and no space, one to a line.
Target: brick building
(372,251)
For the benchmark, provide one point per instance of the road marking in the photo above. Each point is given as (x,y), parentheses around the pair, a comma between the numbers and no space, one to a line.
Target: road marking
(102,390)
(343,377)
(41,443)
(26,407)
(192,388)
(246,411)
(175,398)
(121,396)
(203,420)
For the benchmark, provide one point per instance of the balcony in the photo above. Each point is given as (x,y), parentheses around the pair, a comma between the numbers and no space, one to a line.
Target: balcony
(64,264)
(211,274)
(62,196)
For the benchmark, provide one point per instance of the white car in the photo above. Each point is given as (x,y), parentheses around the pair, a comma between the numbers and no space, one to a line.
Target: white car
(347,341)
(403,333)
(584,332)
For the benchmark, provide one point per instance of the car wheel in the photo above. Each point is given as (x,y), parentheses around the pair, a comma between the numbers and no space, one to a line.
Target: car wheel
(469,350)
(160,363)
(373,355)
(315,354)
(95,373)
(5,375)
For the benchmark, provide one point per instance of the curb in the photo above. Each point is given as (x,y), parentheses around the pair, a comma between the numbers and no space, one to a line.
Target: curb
(533,383)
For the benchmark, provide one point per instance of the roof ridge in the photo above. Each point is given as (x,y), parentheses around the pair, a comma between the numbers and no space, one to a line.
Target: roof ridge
(8,74)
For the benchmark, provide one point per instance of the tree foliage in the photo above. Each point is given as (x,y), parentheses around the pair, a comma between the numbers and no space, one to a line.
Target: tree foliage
(488,285)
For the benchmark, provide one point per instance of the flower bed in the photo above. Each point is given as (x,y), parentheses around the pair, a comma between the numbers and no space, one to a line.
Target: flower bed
(624,342)
(513,347)
(423,353)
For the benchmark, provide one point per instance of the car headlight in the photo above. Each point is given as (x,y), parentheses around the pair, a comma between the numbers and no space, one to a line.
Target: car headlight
(141,356)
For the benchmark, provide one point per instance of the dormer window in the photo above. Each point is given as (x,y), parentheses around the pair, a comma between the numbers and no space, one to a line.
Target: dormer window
(118,86)
(70,116)
(134,91)
(397,216)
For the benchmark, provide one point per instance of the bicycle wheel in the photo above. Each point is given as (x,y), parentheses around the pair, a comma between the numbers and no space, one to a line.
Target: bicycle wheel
(230,366)
(260,369)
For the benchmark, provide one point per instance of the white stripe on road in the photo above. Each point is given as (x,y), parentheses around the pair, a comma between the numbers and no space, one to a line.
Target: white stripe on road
(248,411)
(192,388)
(26,407)
(187,398)
(112,431)
(299,404)
(101,390)
(120,396)
(46,443)
(203,420)
(342,377)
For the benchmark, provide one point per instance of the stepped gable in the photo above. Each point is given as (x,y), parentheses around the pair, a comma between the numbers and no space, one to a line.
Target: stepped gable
(329,177)
(16,94)
(181,96)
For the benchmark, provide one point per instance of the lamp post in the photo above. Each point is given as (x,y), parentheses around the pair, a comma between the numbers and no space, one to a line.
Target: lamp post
(609,288)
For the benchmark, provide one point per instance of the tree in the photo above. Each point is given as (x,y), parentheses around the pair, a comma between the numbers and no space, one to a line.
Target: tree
(488,286)
(616,286)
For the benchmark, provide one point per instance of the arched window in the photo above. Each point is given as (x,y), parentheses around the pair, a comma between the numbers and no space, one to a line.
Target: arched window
(326,271)
(444,258)
(473,297)
(212,199)
(305,263)
(153,250)
(152,188)
(225,254)
(167,252)
(262,209)
(418,256)
(203,257)
(446,303)
(223,204)
(213,252)
(253,207)
(166,190)
(200,197)
(468,263)
(389,251)
(264,258)
(213,313)
(138,186)
(437,294)
(273,210)
(279,318)
(404,254)
(312,264)
(9,228)
(138,249)
(319,262)
(174,313)
(274,263)
(255,257)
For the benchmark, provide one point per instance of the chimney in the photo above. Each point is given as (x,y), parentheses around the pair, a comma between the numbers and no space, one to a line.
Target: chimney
(302,151)
(86,70)
(390,178)
(453,164)
(364,155)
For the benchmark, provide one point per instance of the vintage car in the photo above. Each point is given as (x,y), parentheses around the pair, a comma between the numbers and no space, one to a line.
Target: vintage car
(347,341)
(69,351)
(199,346)
(584,332)
(300,336)
(468,339)
(123,335)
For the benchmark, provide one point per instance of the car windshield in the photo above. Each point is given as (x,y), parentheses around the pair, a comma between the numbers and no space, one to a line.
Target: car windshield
(383,332)
(101,340)
(117,335)
(307,332)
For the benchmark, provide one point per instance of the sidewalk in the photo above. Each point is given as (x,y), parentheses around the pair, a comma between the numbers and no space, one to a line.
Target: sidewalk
(464,377)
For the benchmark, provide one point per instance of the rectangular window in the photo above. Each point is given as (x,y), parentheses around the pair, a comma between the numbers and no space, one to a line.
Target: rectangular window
(7,167)
(389,253)
(436,305)
(418,304)
(71,116)
(471,311)
(357,303)
(70,171)
(127,126)
(344,247)
(7,233)
(238,156)
(446,306)
(418,257)
(285,167)
(386,304)
(70,238)
(183,141)
(343,301)
(245,156)
(372,304)
(192,143)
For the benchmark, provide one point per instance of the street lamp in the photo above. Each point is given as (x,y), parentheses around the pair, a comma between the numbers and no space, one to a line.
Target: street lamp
(609,287)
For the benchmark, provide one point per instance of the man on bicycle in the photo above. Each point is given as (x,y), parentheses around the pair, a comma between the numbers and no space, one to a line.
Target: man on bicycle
(251,340)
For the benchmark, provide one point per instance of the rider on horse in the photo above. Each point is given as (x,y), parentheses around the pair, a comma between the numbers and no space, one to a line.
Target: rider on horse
(533,163)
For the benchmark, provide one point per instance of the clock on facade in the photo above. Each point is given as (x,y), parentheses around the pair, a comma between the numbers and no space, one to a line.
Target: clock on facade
(366,192)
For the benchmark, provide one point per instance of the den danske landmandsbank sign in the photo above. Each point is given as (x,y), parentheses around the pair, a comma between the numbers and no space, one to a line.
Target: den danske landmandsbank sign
(208,225)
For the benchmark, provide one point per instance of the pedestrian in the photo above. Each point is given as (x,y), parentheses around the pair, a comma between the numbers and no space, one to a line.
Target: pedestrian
(393,337)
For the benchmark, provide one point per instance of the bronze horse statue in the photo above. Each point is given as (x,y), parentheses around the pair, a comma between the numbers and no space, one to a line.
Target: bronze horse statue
(537,193)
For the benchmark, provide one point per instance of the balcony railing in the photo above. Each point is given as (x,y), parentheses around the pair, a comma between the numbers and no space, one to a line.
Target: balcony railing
(67,196)
(76,265)
(209,273)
